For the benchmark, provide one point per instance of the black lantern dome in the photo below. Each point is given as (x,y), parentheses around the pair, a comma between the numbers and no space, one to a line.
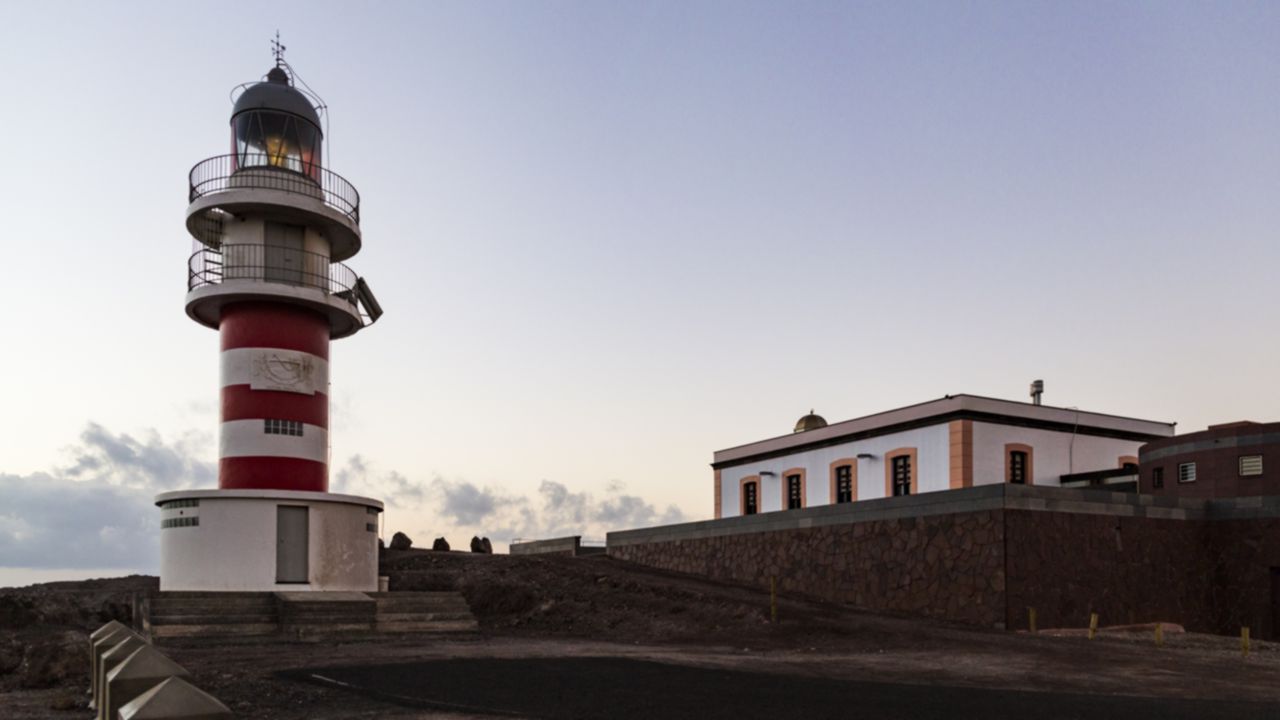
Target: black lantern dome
(274,124)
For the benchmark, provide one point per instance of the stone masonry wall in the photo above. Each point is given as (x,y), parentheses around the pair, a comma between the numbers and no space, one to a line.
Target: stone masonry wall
(1126,569)
(984,555)
(948,566)
(1245,569)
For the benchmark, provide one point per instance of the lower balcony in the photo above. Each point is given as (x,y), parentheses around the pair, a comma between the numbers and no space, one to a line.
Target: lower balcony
(236,272)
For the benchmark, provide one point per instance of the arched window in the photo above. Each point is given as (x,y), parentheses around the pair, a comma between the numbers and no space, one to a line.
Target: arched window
(844,480)
(1018,468)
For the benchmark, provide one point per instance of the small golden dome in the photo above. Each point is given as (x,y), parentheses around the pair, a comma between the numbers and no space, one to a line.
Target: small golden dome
(810,422)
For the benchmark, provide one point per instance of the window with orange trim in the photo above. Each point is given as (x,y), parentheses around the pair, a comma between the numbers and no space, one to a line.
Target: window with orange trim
(1018,467)
(844,484)
(902,475)
(750,498)
(795,492)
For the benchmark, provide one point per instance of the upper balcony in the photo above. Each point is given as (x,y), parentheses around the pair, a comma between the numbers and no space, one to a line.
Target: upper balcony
(257,182)
(229,273)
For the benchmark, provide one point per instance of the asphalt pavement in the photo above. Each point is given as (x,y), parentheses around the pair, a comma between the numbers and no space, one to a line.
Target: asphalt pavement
(621,688)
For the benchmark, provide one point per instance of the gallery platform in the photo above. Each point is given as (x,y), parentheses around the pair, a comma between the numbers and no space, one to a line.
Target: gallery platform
(177,618)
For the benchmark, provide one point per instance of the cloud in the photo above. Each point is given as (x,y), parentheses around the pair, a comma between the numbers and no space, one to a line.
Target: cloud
(54,522)
(96,510)
(460,508)
(106,458)
(555,511)
(357,478)
(468,504)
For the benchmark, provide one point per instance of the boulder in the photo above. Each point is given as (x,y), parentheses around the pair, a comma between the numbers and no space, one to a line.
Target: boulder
(400,541)
(17,612)
(440,544)
(488,546)
(476,545)
(11,652)
(53,660)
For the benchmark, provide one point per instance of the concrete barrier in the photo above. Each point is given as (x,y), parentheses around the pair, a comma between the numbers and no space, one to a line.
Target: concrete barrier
(551,546)
(108,662)
(174,699)
(105,642)
(140,672)
(94,637)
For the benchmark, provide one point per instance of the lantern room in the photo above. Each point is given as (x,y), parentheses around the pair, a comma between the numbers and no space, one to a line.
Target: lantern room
(274,124)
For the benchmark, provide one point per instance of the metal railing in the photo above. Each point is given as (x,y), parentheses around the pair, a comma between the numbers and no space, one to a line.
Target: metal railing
(256,171)
(266,263)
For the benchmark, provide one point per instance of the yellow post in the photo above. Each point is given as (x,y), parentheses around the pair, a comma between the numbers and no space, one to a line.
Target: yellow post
(773,598)
(1159,635)
(1244,640)
(1031,619)
(1093,625)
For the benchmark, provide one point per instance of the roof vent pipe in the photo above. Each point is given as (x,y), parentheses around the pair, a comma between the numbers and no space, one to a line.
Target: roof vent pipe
(1037,389)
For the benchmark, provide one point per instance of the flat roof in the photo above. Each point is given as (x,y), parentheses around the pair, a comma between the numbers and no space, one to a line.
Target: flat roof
(950,407)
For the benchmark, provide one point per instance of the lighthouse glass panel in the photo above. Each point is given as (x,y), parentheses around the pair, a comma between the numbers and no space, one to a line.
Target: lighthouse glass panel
(276,139)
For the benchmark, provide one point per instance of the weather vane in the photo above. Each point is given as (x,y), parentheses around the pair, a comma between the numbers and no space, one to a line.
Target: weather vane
(278,50)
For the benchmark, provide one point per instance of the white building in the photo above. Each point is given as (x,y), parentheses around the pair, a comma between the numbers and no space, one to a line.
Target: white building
(958,441)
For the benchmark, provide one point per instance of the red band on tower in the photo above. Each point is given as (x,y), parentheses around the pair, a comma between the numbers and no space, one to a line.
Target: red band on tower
(256,451)
(241,403)
(272,473)
(266,324)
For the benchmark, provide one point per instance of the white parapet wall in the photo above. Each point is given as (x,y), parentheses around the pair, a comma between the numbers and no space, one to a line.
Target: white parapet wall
(229,540)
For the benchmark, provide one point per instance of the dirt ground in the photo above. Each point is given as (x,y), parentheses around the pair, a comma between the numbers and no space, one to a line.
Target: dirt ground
(600,609)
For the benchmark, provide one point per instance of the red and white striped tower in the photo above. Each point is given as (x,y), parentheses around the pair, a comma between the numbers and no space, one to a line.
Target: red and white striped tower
(273,438)
(271,227)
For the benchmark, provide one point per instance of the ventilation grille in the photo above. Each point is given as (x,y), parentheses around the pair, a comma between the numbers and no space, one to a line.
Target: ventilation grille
(1250,465)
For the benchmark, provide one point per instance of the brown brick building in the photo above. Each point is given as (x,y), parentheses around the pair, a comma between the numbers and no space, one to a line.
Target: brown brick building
(1240,459)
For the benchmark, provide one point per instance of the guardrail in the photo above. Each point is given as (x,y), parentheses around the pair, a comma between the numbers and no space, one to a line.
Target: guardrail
(261,171)
(266,263)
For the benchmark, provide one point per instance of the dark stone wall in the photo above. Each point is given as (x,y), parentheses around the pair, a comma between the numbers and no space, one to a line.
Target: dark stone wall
(984,555)
(1245,568)
(1126,569)
(948,566)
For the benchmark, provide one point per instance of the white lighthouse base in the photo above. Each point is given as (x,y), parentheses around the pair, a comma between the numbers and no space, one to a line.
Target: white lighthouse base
(267,540)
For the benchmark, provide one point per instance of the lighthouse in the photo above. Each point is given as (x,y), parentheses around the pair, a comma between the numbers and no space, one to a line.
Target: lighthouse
(272,228)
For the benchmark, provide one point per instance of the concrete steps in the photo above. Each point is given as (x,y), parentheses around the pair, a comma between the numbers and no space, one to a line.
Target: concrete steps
(238,617)
(423,612)
(326,615)
(210,615)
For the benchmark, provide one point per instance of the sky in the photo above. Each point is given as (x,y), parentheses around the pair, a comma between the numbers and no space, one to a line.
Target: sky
(611,238)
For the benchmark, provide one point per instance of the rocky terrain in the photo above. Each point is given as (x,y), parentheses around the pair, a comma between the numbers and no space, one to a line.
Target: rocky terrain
(533,607)
(595,597)
(44,630)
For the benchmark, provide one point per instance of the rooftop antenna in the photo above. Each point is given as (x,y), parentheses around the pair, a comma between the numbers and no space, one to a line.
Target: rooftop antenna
(278,50)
